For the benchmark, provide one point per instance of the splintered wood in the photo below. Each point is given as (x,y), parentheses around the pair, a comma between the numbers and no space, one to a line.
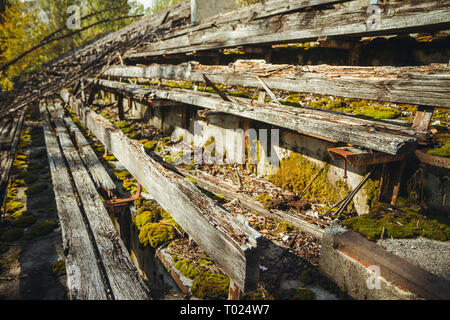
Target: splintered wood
(425,85)
(305,26)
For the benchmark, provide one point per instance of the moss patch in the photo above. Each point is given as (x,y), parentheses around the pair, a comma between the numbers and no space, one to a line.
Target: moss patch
(41,228)
(304,294)
(155,234)
(23,221)
(208,285)
(13,206)
(401,222)
(59,268)
(305,277)
(36,189)
(187,268)
(295,173)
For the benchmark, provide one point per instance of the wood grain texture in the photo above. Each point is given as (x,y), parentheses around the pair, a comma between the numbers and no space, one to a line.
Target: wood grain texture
(229,241)
(412,85)
(403,17)
(122,276)
(84,279)
(375,135)
(99,174)
(9,138)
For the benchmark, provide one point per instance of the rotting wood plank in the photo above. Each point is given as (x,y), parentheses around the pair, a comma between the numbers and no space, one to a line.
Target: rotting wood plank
(99,174)
(413,85)
(374,135)
(397,18)
(122,276)
(84,279)
(250,13)
(228,240)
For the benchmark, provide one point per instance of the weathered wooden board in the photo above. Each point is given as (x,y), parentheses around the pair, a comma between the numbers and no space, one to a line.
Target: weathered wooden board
(412,85)
(369,134)
(250,13)
(402,17)
(99,174)
(122,276)
(230,242)
(84,279)
(10,135)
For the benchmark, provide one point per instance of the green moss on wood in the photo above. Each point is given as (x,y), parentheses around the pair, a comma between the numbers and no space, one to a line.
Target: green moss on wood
(13,206)
(208,285)
(304,294)
(305,277)
(401,222)
(295,173)
(187,268)
(59,268)
(155,234)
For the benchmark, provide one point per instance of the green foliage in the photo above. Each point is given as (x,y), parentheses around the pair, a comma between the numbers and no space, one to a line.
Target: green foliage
(26,24)
(159,5)
(208,285)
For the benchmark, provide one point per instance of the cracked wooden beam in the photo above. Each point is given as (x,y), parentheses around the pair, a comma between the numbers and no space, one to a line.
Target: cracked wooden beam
(427,85)
(397,18)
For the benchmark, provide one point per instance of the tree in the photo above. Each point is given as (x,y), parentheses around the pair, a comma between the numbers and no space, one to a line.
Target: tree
(26,24)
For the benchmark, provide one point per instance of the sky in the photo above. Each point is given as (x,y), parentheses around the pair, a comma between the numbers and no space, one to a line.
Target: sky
(146,3)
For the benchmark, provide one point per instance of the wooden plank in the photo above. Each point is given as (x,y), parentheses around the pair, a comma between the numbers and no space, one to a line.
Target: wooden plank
(250,13)
(394,269)
(374,135)
(7,155)
(121,274)
(413,85)
(233,245)
(396,18)
(84,279)
(99,174)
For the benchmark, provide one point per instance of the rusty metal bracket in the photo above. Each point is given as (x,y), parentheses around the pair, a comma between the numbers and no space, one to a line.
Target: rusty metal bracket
(117,205)
(422,119)
(357,157)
